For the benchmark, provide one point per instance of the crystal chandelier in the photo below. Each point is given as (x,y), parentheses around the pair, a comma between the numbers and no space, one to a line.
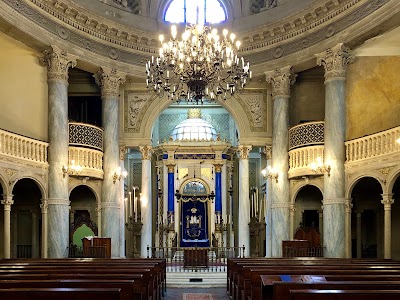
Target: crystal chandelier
(200,66)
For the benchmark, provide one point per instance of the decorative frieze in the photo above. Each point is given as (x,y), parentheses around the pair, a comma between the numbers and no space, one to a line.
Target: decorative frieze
(109,80)
(335,61)
(57,62)
(281,80)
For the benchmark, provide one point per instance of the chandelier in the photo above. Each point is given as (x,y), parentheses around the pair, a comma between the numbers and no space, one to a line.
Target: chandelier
(200,66)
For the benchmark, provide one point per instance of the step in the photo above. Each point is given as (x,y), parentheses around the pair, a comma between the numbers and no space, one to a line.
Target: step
(196,279)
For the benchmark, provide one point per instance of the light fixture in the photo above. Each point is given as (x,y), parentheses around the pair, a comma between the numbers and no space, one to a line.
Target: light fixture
(398,141)
(200,66)
(320,167)
(73,169)
(271,173)
(118,175)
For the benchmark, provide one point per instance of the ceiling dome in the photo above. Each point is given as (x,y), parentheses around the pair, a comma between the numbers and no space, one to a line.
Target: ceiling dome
(194,128)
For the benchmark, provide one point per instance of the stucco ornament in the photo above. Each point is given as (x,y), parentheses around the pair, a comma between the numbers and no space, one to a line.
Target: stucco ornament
(281,80)
(57,62)
(335,61)
(109,80)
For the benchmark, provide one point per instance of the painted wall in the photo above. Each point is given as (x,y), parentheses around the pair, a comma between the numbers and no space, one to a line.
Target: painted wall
(23,90)
(372,95)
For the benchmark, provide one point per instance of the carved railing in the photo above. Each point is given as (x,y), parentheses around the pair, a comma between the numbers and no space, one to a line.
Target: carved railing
(378,144)
(306,134)
(300,160)
(85,135)
(21,147)
(90,161)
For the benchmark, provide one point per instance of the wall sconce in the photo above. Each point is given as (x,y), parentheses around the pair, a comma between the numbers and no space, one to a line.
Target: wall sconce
(118,175)
(320,167)
(398,141)
(73,169)
(271,173)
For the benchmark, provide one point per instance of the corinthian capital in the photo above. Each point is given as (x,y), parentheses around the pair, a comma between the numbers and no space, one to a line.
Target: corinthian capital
(146,152)
(335,61)
(281,80)
(109,81)
(57,62)
(244,151)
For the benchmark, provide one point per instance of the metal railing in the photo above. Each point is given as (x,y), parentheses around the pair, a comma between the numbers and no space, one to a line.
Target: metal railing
(306,134)
(208,259)
(85,135)
(24,251)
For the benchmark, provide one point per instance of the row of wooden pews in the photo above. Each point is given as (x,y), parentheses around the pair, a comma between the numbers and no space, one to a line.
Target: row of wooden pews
(312,278)
(102,279)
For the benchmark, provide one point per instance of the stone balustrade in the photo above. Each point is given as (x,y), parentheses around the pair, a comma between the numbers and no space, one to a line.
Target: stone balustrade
(374,145)
(21,147)
(89,160)
(300,160)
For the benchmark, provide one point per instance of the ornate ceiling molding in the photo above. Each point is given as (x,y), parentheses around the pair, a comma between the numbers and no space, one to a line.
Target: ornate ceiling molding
(265,46)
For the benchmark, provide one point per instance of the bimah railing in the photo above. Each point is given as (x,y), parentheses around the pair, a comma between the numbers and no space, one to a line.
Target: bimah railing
(204,259)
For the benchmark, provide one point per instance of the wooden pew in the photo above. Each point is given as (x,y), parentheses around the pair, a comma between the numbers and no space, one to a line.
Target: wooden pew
(344,295)
(60,293)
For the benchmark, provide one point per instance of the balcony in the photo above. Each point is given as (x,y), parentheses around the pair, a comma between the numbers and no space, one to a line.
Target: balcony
(306,146)
(85,150)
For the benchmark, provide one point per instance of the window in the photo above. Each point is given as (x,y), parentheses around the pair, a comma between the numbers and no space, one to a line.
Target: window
(193,12)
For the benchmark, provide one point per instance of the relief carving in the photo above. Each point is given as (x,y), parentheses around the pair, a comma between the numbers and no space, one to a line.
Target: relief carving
(136,103)
(335,61)
(109,80)
(281,80)
(57,62)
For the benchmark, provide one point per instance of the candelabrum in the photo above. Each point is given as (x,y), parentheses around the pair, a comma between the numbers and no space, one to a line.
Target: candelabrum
(134,226)
(257,228)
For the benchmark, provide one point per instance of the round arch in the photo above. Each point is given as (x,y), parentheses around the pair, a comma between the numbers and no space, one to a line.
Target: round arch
(391,178)
(301,185)
(92,187)
(36,179)
(357,177)
(203,182)
(3,181)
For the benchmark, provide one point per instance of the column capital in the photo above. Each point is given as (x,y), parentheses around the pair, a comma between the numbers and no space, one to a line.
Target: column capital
(109,80)
(281,80)
(268,151)
(171,168)
(292,208)
(57,62)
(146,151)
(335,61)
(44,206)
(122,152)
(348,205)
(387,200)
(7,201)
(244,151)
(218,168)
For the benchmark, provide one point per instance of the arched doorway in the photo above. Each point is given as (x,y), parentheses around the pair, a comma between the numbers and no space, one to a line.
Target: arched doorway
(83,218)
(308,212)
(367,219)
(26,220)
(194,217)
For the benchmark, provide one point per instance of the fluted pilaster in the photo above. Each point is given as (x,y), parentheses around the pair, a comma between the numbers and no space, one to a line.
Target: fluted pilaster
(58,62)
(145,200)
(109,81)
(334,61)
(244,201)
(281,80)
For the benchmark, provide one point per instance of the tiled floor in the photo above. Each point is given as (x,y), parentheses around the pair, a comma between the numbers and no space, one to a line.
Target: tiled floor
(176,293)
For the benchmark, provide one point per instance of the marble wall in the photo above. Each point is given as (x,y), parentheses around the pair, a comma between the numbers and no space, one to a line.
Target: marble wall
(372,95)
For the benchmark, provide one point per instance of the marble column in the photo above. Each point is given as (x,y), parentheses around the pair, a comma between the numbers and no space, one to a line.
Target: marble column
(387,202)
(98,210)
(347,237)
(35,236)
(281,80)
(58,62)
(7,202)
(321,224)
(244,201)
(121,197)
(109,81)
(268,217)
(146,200)
(335,61)
(44,209)
(359,232)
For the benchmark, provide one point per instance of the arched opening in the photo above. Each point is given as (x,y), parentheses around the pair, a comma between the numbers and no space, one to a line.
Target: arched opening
(26,220)
(367,219)
(83,218)
(308,208)
(1,222)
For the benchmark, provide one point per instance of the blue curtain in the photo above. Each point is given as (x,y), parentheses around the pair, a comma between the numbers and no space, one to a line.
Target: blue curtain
(194,224)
